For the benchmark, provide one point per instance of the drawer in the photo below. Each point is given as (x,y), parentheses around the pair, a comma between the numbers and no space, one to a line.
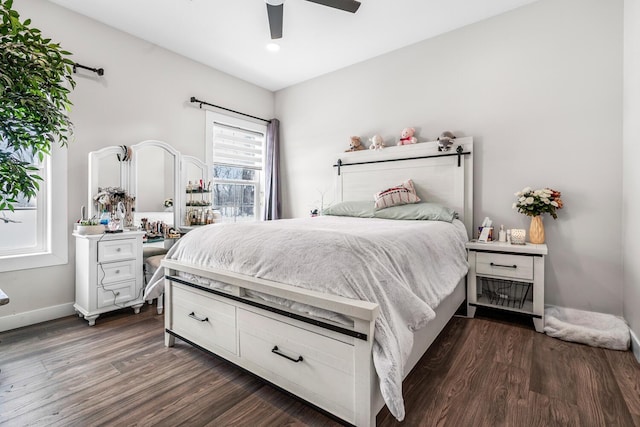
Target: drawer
(116,250)
(320,368)
(113,272)
(116,294)
(505,265)
(202,319)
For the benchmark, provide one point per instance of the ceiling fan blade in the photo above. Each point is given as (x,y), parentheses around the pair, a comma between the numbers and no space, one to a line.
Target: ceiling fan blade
(346,5)
(275,20)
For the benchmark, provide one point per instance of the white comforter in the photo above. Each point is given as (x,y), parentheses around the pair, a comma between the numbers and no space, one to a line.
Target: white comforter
(407,267)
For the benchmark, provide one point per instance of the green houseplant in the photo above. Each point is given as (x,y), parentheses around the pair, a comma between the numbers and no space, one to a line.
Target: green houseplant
(36,77)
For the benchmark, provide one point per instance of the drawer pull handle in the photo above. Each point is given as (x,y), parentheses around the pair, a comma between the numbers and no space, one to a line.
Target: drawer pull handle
(276,351)
(502,265)
(118,249)
(117,271)
(199,319)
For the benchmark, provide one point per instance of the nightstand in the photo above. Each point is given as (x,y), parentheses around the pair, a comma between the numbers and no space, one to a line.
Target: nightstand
(507,277)
(108,273)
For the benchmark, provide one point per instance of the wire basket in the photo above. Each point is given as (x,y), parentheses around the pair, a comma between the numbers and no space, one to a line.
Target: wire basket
(506,293)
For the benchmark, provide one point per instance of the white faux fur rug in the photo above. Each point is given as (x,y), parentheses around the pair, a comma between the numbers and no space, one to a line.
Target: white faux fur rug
(586,327)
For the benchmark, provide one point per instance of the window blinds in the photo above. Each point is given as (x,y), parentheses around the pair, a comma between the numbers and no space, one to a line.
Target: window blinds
(233,146)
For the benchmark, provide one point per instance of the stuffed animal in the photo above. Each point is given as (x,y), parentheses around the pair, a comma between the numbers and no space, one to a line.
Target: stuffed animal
(445,141)
(406,137)
(356,144)
(377,143)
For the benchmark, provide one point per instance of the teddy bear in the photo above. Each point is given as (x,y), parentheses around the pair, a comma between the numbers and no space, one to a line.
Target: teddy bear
(406,137)
(377,143)
(445,140)
(356,144)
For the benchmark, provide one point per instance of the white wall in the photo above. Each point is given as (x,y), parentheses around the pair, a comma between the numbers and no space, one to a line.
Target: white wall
(143,95)
(631,172)
(540,90)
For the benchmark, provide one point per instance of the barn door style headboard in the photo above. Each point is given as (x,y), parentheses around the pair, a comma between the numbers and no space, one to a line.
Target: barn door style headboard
(444,177)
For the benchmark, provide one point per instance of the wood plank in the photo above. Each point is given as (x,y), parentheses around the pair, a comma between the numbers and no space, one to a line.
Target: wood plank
(550,373)
(599,399)
(270,407)
(627,375)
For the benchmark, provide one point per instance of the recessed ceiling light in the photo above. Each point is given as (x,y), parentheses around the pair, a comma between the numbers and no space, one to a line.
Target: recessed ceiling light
(273,47)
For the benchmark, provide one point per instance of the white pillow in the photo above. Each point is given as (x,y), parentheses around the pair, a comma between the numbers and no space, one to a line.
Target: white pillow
(403,194)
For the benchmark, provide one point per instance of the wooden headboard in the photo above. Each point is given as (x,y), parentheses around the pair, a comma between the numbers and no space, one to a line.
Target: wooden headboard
(442,177)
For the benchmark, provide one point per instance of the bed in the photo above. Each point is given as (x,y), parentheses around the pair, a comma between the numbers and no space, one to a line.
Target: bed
(338,326)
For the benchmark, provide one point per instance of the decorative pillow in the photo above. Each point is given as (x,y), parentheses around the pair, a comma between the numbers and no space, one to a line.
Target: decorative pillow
(403,194)
(418,211)
(361,209)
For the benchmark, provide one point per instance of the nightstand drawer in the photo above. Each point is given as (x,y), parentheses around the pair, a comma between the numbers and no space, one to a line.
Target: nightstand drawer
(116,250)
(505,265)
(113,272)
(118,293)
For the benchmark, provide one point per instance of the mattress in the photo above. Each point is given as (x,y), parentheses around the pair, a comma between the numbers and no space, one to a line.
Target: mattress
(406,267)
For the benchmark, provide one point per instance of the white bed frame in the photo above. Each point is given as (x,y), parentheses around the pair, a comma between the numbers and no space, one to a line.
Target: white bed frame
(444,177)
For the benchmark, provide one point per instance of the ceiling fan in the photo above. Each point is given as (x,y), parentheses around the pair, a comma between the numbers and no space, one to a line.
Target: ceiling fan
(275,9)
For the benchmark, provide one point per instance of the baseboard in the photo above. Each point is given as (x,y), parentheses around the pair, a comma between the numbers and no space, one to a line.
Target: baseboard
(635,345)
(27,318)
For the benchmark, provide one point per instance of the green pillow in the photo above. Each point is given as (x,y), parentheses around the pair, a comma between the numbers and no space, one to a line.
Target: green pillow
(418,211)
(361,209)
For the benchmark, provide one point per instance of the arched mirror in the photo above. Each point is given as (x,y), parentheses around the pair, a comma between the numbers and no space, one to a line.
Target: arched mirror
(109,171)
(155,168)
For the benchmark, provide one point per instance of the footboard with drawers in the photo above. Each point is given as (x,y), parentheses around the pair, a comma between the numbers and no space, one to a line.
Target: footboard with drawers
(323,363)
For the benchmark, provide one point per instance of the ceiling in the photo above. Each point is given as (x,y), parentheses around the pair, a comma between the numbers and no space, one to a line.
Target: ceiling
(231,35)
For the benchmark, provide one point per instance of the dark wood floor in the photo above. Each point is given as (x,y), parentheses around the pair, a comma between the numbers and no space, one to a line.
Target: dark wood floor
(480,372)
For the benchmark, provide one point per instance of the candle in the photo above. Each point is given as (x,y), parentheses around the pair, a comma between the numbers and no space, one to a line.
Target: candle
(517,236)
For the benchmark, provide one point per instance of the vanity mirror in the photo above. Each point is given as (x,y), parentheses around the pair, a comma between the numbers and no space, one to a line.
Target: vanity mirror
(155,183)
(107,172)
(145,175)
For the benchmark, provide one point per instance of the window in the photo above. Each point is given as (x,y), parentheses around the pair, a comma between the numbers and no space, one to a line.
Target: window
(235,154)
(35,234)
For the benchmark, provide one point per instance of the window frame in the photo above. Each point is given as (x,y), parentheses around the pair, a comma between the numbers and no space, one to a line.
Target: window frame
(213,117)
(52,235)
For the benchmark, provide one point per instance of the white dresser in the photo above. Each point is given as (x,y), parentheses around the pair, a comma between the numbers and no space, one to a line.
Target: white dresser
(108,273)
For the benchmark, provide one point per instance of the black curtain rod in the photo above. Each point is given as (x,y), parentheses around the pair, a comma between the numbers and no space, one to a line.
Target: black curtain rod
(194,99)
(99,71)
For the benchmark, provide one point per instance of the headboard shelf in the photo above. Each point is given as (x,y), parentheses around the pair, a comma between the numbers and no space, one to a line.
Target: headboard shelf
(443,177)
(458,152)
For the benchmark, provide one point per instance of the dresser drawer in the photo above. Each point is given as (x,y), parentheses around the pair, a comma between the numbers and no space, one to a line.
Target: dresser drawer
(113,272)
(505,265)
(199,317)
(319,368)
(116,250)
(116,294)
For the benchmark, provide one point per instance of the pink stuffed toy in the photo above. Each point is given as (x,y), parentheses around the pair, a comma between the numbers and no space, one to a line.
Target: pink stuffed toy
(407,137)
